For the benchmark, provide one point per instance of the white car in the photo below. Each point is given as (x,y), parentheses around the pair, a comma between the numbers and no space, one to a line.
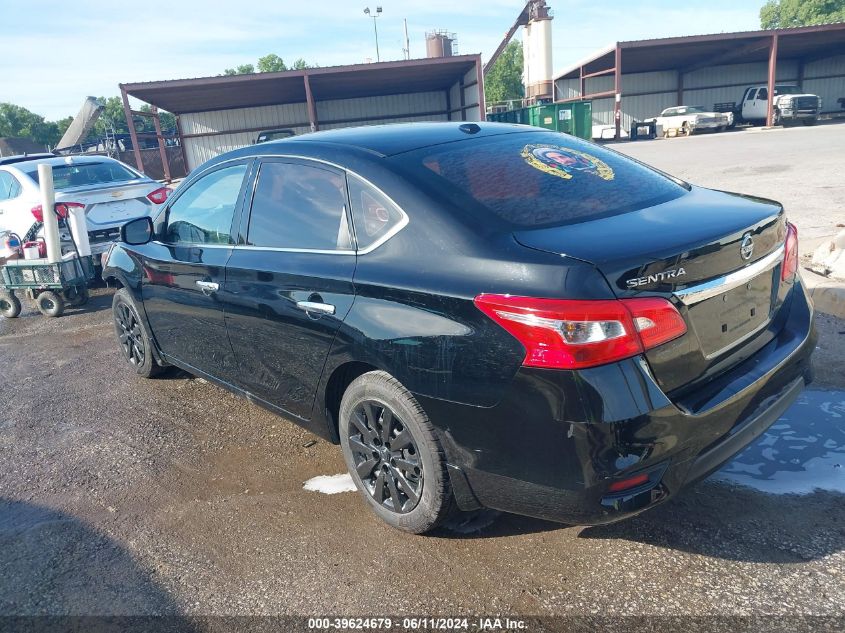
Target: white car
(691,119)
(111,192)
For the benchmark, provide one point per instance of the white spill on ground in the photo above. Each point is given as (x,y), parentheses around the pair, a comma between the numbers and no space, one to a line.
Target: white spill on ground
(803,451)
(331,484)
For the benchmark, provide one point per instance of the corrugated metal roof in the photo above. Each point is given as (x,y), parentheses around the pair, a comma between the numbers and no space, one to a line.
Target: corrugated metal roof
(672,53)
(203,94)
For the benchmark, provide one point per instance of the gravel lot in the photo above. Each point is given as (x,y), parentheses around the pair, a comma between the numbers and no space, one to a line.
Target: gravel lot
(131,497)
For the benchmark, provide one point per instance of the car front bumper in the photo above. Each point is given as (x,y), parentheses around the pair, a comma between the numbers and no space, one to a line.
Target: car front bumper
(710,125)
(557,440)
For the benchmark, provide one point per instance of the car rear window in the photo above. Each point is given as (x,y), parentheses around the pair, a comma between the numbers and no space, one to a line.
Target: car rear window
(87,174)
(538,179)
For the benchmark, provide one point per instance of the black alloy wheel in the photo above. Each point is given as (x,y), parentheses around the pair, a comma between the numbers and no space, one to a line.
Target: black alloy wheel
(129,334)
(386,457)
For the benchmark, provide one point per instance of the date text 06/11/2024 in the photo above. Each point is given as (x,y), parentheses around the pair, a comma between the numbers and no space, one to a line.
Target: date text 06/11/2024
(419,624)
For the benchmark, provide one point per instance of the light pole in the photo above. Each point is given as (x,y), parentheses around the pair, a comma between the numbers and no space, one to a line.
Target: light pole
(375,28)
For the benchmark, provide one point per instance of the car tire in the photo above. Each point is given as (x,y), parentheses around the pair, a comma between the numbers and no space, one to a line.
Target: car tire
(50,303)
(393,454)
(10,305)
(687,130)
(134,340)
(812,121)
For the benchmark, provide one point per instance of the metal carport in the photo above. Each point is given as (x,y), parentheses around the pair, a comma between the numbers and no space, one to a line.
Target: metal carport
(217,114)
(635,79)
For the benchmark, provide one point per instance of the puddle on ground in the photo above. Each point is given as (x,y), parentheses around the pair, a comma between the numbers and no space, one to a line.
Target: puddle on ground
(803,451)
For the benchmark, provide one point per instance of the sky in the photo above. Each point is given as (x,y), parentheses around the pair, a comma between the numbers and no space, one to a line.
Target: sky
(55,53)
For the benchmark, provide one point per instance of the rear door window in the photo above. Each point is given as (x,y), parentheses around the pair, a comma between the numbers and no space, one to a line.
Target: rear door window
(203,213)
(374,215)
(299,207)
(537,179)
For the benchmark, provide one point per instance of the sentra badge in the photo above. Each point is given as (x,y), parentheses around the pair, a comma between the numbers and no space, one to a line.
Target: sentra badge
(666,275)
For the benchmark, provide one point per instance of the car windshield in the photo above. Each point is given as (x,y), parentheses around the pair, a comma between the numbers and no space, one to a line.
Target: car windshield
(274,136)
(690,110)
(536,179)
(86,174)
(787,90)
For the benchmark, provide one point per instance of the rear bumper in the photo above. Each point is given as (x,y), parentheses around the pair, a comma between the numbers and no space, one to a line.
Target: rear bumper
(557,440)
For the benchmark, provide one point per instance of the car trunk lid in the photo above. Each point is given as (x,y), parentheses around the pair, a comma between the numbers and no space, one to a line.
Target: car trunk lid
(716,256)
(108,206)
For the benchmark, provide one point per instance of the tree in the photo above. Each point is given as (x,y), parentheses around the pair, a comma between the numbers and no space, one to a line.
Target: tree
(243,69)
(18,122)
(271,63)
(504,80)
(113,120)
(779,14)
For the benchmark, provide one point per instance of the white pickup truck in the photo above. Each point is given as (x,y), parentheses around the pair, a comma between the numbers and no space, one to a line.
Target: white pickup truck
(790,104)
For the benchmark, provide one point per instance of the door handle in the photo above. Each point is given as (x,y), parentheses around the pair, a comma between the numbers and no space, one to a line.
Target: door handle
(208,287)
(317,308)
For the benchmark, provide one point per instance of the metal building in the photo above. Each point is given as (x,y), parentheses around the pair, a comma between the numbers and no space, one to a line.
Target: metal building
(638,79)
(218,114)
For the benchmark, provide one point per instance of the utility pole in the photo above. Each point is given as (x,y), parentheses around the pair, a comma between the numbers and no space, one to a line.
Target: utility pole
(374,15)
(407,49)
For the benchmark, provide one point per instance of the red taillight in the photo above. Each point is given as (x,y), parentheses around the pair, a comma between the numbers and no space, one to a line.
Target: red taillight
(571,334)
(627,484)
(790,254)
(657,321)
(61,210)
(159,195)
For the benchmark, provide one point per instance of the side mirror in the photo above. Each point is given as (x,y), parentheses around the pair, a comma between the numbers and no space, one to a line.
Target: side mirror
(137,232)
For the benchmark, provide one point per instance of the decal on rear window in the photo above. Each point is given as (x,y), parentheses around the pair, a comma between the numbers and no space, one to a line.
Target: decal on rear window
(564,162)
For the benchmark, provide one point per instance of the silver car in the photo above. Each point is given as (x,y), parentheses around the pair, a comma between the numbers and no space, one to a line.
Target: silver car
(111,192)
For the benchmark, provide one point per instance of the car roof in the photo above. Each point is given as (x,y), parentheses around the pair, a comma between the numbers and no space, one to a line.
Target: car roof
(396,138)
(20,158)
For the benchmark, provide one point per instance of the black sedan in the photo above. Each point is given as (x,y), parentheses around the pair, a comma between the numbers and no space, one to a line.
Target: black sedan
(481,315)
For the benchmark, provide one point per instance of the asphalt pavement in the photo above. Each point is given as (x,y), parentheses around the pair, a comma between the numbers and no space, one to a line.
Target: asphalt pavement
(120,496)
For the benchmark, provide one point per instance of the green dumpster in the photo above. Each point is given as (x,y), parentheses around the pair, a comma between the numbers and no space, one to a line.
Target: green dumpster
(575,117)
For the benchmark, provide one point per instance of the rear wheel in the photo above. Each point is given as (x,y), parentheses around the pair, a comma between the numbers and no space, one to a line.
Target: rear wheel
(50,303)
(10,305)
(812,121)
(135,343)
(393,454)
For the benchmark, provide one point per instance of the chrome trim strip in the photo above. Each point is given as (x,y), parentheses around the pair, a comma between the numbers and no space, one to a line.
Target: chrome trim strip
(275,249)
(191,245)
(700,292)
